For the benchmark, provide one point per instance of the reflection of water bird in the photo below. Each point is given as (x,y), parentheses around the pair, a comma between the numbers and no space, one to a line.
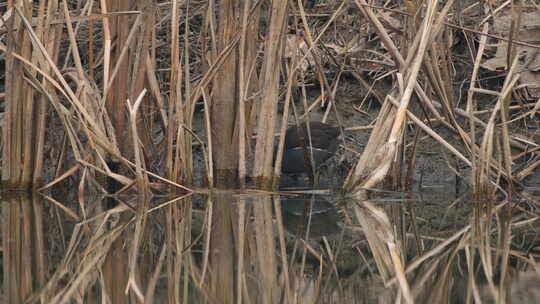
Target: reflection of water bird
(324,141)
(322,216)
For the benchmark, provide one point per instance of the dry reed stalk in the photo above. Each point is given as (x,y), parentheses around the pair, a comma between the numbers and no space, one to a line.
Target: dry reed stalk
(133,282)
(388,150)
(449,110)
(107,42)
(312,53)
(459,112)
(514,140)
(397,56)
(73,47)
(154,88)
(266,261)
(18,120)
(462,133)
(246,67)
(224,103)
(125,180)
(138,79)
(471,101)
(209,75)
(208,127)
(116,89)
(189,109)
(93,113)
(387,255)
(439,72)
(242,88)
(175,111)
(320,75)
(99,139)
(505,113)
(484,187)
(91,126)
(180,233)
(285,118)
(371,156)
(267,111)
(44,27)
(221,122)
(485,184)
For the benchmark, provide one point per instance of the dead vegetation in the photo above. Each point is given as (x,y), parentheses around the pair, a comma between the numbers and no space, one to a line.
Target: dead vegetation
(133,99)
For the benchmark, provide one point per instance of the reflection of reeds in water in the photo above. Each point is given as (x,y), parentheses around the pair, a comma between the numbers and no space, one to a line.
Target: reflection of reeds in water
(118,83)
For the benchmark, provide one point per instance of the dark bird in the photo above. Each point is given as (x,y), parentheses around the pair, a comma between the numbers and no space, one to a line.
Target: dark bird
(296,154)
